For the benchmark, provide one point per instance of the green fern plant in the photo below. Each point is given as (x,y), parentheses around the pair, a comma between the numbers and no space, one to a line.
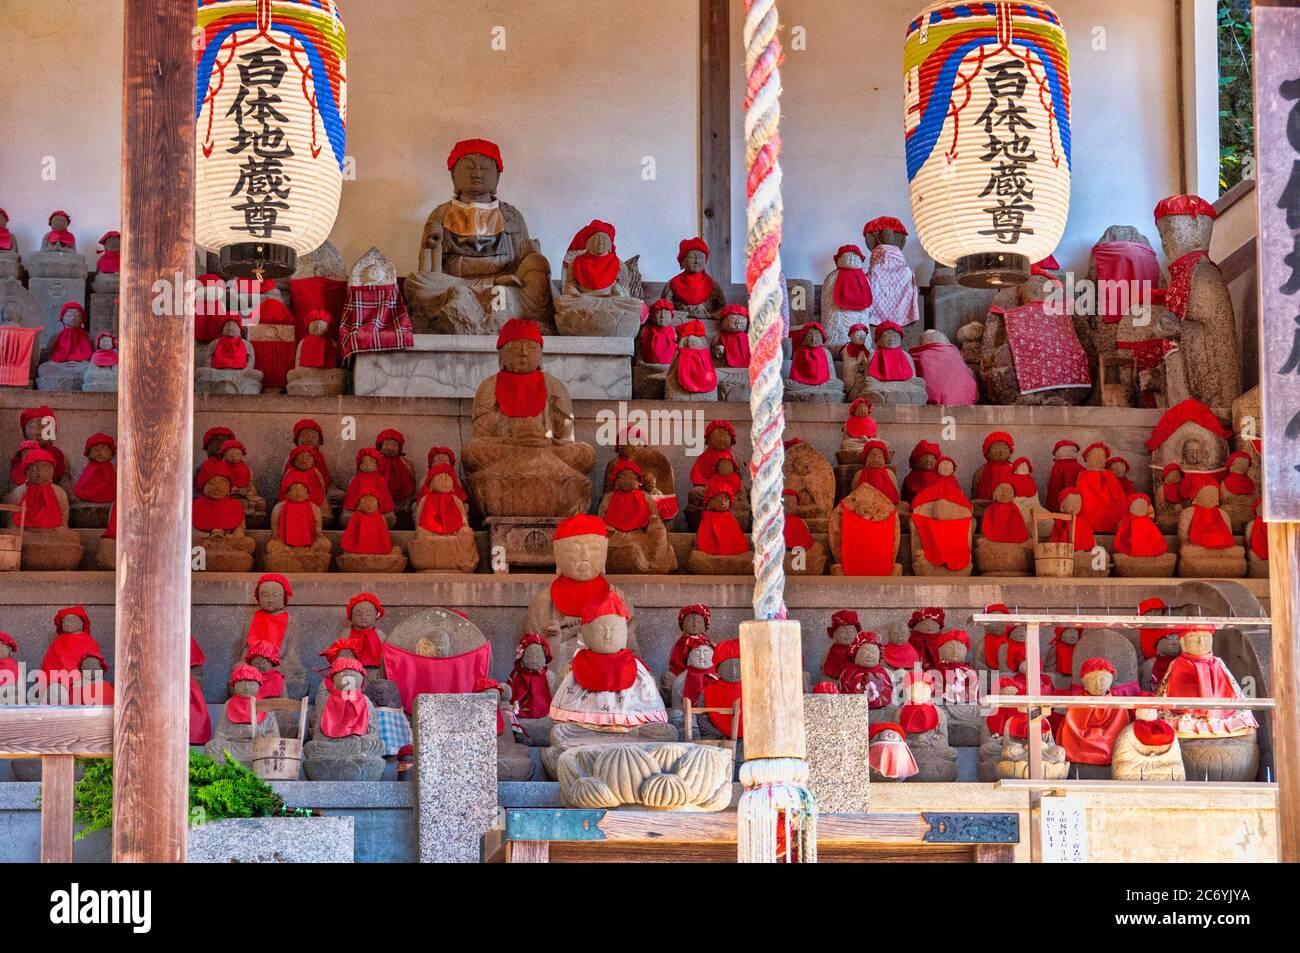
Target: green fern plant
(218,790)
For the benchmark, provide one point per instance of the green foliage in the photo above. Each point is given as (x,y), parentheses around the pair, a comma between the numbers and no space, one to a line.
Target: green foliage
(1236,96)
(218,789)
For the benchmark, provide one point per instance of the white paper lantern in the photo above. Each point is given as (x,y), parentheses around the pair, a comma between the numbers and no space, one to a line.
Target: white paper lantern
(987,121)
(271,114)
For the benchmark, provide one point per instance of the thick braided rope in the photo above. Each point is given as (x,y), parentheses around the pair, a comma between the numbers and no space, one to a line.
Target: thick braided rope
(766,298)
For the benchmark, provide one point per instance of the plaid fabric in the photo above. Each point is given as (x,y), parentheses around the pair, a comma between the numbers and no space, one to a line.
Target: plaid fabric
(374,319)
(394,730)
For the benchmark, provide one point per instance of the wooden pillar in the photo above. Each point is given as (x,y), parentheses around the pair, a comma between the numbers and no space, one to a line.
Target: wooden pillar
(1276,35)
(715,136)
(155,435)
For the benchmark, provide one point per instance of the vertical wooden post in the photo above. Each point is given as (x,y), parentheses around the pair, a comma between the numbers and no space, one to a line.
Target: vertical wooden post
(1275,36)
(1033,681)
(57,781)
(715,135)
(155,434)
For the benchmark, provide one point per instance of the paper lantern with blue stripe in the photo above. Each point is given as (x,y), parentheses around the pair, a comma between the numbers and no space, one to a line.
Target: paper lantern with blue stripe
(271,129)
(987,123)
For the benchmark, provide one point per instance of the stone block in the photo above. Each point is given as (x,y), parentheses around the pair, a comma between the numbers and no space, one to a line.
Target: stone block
(273,840)
(53,294)
(525,540)
(103,313)
(455,776)
(838,771)
(453,365)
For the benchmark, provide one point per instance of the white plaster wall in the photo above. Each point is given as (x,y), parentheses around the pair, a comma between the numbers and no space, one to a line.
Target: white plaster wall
(842,129)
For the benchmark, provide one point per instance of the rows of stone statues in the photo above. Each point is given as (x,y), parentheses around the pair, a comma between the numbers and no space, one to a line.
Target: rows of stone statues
(1123,336)
(522,461)
(578,686)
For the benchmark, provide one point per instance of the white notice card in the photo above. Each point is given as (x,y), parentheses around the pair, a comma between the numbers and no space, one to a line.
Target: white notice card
(1064,830)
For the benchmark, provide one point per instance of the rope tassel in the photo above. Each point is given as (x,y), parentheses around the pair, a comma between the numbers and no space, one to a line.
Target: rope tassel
(776,820)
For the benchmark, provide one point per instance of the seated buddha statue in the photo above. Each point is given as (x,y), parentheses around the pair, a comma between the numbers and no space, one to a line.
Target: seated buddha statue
(96,487)
(699,671)
(1147,749)
(855,361)
(1206,545)
(721,547)
(530,687)
(302,464)
(1026,488)
(58,256)
(719,442)
(846,296)
(638,539)
(218,528)
(1088,735)
(843,631)
(1090,560)
(368,480)
(692,290)
(236,727)
(657,477)
(596,299)
(227,365)
(812,478)
(1064,473)
(39,427)
(693,628)
(1239,490)
(1004,546)
(859,427)
(864,673)
(812,377)
(345,743)
(1140,547)
(361,632)
(69,352)
(522,459)
(998,449)
(943,526)
(922,464)
(48,543)
(242,486)
(959,686)
(865,533)
(297,543)
(1159,646)
(272,623)
(1218,744)
(804,554)
(1104,500)
(605,695)
(692,374)
(478,265)
(396,470)
(316,371)
(926,728)
(443,541)
(892,376)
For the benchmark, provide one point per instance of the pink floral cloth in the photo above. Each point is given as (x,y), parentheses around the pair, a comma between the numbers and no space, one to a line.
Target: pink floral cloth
(1045,350)
(893,287)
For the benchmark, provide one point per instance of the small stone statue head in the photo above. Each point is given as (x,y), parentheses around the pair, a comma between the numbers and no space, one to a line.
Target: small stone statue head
(534,658)
(72,315)
(604,626)
(850,256)
(845,634)
(364,611)
(700,657)
(302,459)
(1065,450)
(884,231)
(925,623)
(217,487)
(997,449)
(693,620)
(661,314)
(725,467)
(580,546)
(1071,502)
(1239,463)
(367,461)
(390,447)
(216,440)
(886,736)
(1095,456)
(112,241)
(1186,224)
(436,644)
(348,679)
(232,452)
(39,472)
(945,467)
(812,338)
(627,480)
(59,221)
(735,317)
(867,653)
(897,635)
(1004,493)
(6,648)
(245,681)
(1169,645)
(859,334)
(474,176)
(520,357)
(1197,641)
(1118,466)
(861,406)
(726,658)
(719,500)
(649,482)
(719,435)
(230,329)
(1208,495)
(263,656)
(1139,505)
(72,620)
(308,437)
(875,454)
(694,260)
(599,243)
(440,458)
(889,339)
(91,667)
(1069,635)
(1097,676)
(442,481)
(271,594)
(955,650)
(493,689)
(1018,633)
(1022,467)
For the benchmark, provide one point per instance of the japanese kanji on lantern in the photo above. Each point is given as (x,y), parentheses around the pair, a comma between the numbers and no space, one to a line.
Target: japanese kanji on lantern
(987,122)
(271,114)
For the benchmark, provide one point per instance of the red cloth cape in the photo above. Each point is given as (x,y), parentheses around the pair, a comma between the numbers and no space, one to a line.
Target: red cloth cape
(702,471)
(890,364)
(1063,476)
(991,474)
(691,289)
(722,694)
(695,371)
(421,675)
(1104,500)
(597,672)
(852,289)
(658,344)
(810,365)
(946,543)
(1259,538)
(720,535)
(441,514)
(1125,271)
(272,685)
(1154,734)
(1084,541)
(856,680)
(66,652)
(401,484)
(917,718)
(1209,528)
(696,679)
(315,484)
(225,514)
(42,507)
(521,395)
(531,693)
(595,272)
(1139,536)
(797,533)
(200,719)
(1004,523)
(867,546)
(1198,676)
(863,428)
(368,484)
(318,351)
(230,354)
(899,656)
(572,596)
(837,657)
(735,348)
(71,344)
(628,510)
(1088,734)
(367,533)
(345,714)
(239,711)
(267,627)
(881,479)
(297,526)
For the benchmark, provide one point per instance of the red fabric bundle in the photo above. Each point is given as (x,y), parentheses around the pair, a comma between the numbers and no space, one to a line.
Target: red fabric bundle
(658,343)
(229,354)
(440,513)
(1104,499)
(720,535)
(71,344)
(226,514)
(273,334)
(628,510)
(1088,734)
(722,694)
(521,395)
(837,657)
(695,371)
(1139,536)
(691,289)
(1209,528)
(200,719)
(852,289)
(1004,523)
(345,714)
(918,718)
(735,348)
(424,675)
(867,546)
(572,596)
(297,525)
(881,479)
(1259,537)
(367,533)
(597,672)
(1084,540)
(314,297)
(797,534)
(808,365)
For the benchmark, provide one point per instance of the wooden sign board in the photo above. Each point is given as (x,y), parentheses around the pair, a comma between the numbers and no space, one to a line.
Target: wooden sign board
(1277,152)
(1064,823)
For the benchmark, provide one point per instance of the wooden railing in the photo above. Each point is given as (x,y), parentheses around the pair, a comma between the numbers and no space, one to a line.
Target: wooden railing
(58,735)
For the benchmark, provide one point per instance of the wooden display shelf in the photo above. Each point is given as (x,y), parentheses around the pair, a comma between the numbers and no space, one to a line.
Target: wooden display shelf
(540,835)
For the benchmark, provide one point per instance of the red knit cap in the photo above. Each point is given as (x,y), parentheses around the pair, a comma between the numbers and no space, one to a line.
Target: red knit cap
(739,309)
(346,665)
(884,326)
(7,639)
(274,577)
(726,651)
(955,635)
(33,413)
(1096,665)
(726,425)
(484,684)
(1192,205)
(262,648)
(364,597)
(998,436)
(880,726)
(98,438)
(519,329)
(245,673)
(849,250)
(622,466)
(434,451)
(689,245)
(307,424)
(843,617)
(884,223)
(584,524)
(610,604)
(695,609)
(233,445)
(930,612)
(1147,606)
(475,147)
(390,434)
(78,611)
(826,688)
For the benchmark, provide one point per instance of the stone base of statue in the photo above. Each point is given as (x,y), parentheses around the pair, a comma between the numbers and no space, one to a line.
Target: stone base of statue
(58,264)
(208,380)
(255,516)
(934,764)
(1004,559)
(392,561)
(1241,510)
(1145,567)
(1088,566)
(648,381)
(316,382)
(890,392)
(964,722)
(538,730)
(674,391)
(455,553)
(103,313)
(64,376)
(1197,561)
(446,304)
(733,384)
(11,266)
(355,758)
(447,365)
(293,559)
(670,777)
(533,482)
(1221,759)
(99,380)
(238,740)
(106,282)
(811,562)
(226,553)
(646,552)
(106,554)
(83,515)
(832,392)
(1256,568)
(51,550)
(923,567)
(514,763)
(566,736)
(613,316)
(1014,762)
(700,563)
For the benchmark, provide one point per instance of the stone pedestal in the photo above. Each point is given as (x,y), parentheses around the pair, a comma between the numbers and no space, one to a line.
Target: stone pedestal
(455,776)
(453,365)
(53,294)
(103,313)
(273,840)
(955,305)
(525,541)
(839,774)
